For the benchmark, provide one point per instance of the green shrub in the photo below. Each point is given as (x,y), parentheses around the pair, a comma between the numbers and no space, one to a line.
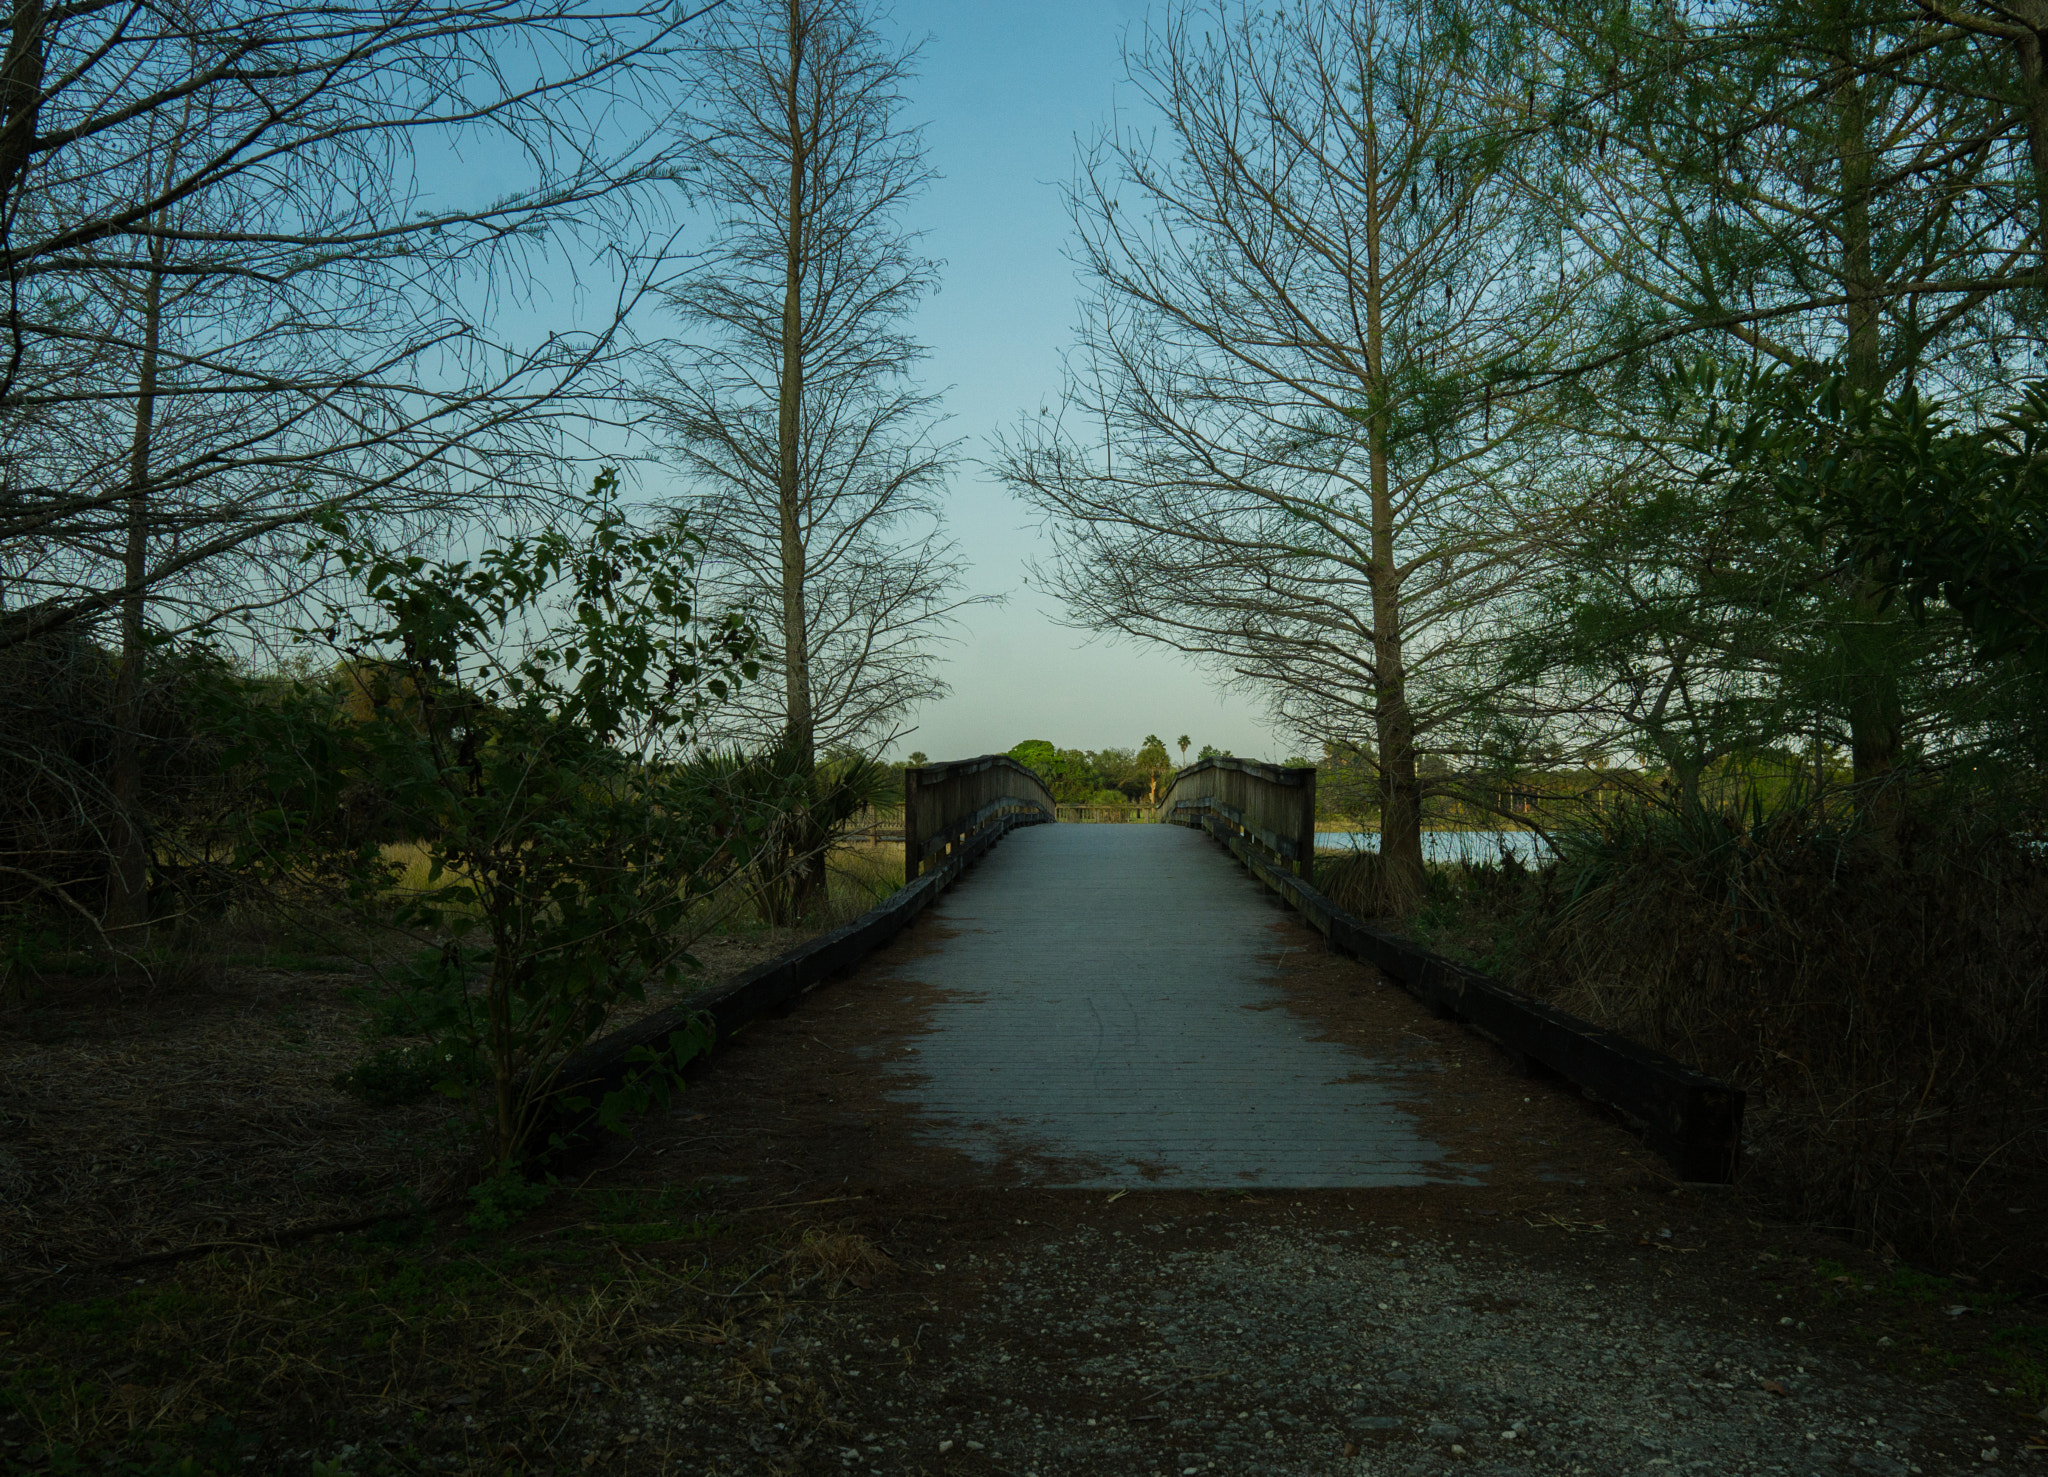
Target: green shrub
(505,1199)
(407,1005)
(396,1075)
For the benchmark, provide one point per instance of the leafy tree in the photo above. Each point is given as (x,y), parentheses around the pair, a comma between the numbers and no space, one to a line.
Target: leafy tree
(1680,623)
(1945,513)
(1825,187)
(1152,760)
(1728,608)
(1036,754)
(521,721)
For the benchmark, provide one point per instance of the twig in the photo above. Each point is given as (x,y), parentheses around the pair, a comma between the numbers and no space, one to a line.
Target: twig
(797,1204)
(273,1239)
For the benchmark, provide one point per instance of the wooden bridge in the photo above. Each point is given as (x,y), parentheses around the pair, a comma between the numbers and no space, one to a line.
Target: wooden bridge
(1109,998)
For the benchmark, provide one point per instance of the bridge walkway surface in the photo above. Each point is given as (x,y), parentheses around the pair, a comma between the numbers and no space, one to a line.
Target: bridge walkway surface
(1346,1235)
(1108,1013)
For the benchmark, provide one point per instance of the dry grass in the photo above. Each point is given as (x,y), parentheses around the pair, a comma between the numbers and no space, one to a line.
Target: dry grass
(425,1346)
(832,1259)
(137,1122)
(1356,882)
(859,874)
(1882,997)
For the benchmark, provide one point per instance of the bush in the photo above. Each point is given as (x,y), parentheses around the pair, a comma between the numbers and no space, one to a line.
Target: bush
(1357,883)
(523,718)
(397,1075)
(505,1199)
(1882,995)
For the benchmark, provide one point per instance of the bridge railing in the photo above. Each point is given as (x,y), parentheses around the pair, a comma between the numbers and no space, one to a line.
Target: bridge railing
(1110,815)
(1266,816)
(1267,805)
(947,806)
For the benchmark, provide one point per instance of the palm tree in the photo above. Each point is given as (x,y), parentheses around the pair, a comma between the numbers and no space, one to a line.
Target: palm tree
(1183,741)
(1153,753)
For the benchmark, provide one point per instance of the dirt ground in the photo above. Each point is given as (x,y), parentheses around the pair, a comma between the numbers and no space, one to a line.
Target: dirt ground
(140,1121)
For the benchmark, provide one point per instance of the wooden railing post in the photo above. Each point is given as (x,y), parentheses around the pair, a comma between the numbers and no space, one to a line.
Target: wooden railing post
(946,806)
(913,834)
(1305,865)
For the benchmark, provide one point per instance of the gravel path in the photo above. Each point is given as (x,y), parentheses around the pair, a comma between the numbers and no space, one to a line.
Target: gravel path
(1202,1342)
(1370,1352)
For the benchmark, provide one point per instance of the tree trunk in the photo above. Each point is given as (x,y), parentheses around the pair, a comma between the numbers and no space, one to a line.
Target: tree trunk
(1400,793)
(807,883)
(21,94)
(1876,728)
(21,98)
(2034,99)
(1400,799)
(127,913)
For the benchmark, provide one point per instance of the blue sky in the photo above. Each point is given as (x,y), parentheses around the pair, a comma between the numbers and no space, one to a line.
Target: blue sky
(1006,90)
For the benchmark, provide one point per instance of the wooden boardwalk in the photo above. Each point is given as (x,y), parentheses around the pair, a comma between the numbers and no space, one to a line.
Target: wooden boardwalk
(1109,1018)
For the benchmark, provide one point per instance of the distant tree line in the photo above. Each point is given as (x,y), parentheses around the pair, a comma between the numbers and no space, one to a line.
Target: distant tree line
(1112,776)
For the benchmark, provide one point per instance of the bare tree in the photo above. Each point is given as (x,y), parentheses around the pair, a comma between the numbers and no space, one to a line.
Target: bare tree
(810,451)
(244,287)
(1304,295)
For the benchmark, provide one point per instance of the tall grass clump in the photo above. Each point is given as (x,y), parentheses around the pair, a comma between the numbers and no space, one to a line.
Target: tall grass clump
(1880,989)
(1356,881)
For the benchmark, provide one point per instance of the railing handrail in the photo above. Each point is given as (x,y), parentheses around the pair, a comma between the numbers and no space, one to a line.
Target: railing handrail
(1271,805)
(1130,808)
(946,805)
(1694,1121)
(1292,775)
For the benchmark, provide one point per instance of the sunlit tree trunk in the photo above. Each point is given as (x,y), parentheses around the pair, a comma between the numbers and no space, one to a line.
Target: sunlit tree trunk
(811,472)
(1393,719)
(807,885)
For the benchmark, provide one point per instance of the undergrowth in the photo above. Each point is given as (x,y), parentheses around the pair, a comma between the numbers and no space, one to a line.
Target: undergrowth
(1880,990)
(858,877)
(414,1344)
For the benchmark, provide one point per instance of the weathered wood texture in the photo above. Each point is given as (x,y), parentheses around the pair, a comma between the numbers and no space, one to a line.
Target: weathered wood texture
(1694,1122)
(1107,1010)
(1273,806)
(946,805)
(604,1065)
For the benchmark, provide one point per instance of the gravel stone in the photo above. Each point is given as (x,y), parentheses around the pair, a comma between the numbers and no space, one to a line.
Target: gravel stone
(1275,1344)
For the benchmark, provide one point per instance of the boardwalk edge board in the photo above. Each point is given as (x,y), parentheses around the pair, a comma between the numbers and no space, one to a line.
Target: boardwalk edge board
(1691,1120)
(604,1065)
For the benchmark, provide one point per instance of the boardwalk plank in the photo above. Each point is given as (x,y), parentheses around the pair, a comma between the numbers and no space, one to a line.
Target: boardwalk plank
(1109,1014)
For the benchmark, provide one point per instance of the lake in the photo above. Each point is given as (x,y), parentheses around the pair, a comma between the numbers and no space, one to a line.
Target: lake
(1446,846)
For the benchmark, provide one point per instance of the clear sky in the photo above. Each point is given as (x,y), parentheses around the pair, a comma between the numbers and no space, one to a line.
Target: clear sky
(1007,89)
